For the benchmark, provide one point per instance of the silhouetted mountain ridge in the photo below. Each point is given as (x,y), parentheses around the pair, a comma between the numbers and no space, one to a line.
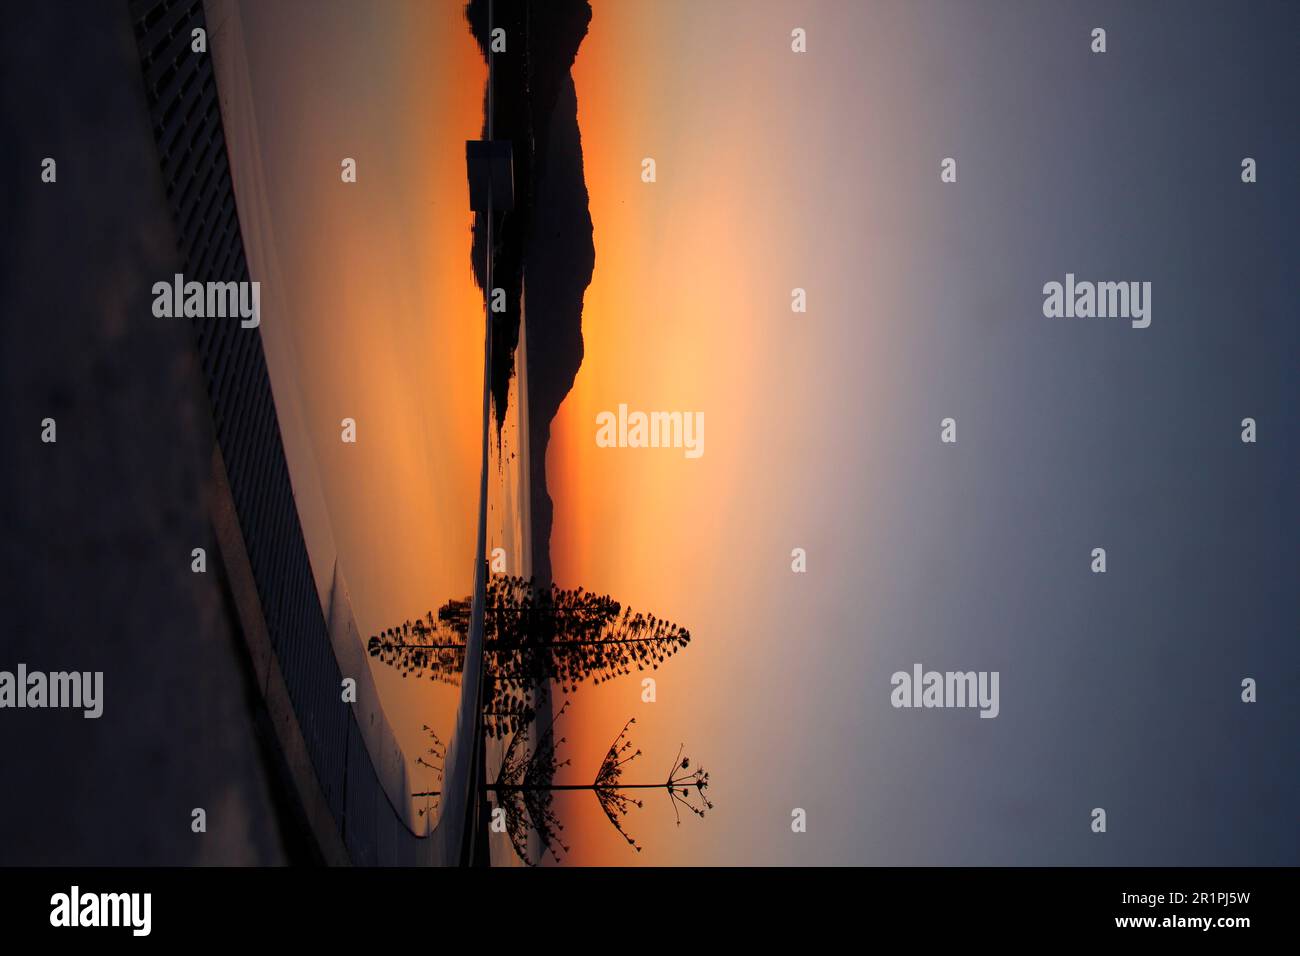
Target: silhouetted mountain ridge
(543,249)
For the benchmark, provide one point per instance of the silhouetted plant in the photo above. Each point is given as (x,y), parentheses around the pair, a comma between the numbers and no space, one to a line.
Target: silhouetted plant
(530,635)
(437,751)
(684,786)
(525,788)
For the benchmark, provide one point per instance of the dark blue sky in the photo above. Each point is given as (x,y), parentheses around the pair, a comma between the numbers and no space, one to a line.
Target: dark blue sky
(1118,690)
